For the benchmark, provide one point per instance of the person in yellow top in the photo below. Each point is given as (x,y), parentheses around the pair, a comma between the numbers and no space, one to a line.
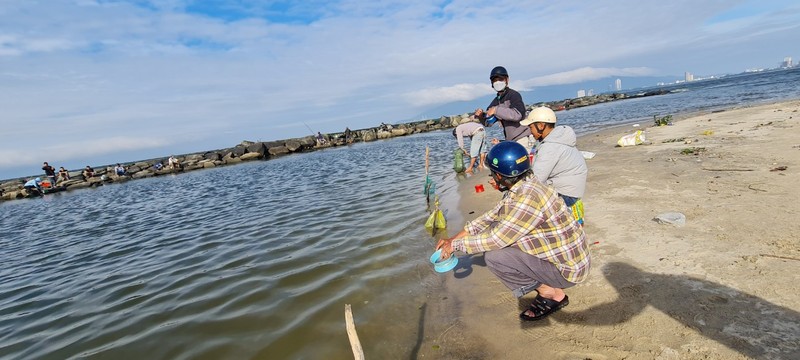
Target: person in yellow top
(530,238)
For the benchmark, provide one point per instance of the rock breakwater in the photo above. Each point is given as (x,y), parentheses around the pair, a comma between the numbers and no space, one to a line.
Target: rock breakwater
(249,150)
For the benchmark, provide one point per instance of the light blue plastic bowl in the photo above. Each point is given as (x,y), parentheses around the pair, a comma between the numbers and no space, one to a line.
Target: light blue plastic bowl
(443,266)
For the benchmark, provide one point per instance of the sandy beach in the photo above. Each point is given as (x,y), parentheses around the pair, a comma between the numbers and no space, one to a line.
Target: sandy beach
(723,286)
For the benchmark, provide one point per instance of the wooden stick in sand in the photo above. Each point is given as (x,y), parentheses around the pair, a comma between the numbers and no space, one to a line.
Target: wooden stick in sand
(780,257)
(355,344)
(426,160)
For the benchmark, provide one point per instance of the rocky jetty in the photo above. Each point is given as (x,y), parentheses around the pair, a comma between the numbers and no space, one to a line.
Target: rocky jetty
(249,150)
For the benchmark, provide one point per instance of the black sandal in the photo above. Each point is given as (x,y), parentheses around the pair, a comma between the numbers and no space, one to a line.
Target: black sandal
(541,308)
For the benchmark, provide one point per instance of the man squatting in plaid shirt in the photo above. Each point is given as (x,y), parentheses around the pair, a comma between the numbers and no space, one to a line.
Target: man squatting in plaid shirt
(530,238)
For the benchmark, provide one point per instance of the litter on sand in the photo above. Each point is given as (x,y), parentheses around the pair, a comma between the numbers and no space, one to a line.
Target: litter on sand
(636,138)
(587,154)
(674,218)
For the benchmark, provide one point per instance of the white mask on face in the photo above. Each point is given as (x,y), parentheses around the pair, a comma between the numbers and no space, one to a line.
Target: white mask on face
(499,86)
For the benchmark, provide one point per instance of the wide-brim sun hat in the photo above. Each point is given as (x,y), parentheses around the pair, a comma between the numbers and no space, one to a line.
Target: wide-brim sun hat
(542,114)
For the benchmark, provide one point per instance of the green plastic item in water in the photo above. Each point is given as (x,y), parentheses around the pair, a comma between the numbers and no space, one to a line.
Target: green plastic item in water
(458,160)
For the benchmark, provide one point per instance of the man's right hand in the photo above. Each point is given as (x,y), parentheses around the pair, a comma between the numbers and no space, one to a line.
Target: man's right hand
(446,245)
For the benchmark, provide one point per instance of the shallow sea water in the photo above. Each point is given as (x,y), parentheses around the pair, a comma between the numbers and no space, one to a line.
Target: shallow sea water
(257,260)
(249,261)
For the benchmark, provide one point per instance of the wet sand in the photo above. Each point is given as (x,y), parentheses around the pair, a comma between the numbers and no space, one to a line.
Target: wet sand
(724,286)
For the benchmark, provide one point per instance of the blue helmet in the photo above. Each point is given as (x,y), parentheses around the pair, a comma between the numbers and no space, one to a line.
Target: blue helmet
(508,159)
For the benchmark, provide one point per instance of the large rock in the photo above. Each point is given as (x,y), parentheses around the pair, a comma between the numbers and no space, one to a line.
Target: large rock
(382,134)
(12,195)
(257,148)
(136,168)
(238,150)
(212,155)
(251,156)
(208,164)
(308,142)
(399,132)
(143,174)
(80,185)
(369,135)
(190,158)
(232,161)
(274,144)
(280,150)
(12,185)
(71,182)
(293,145)
(94,180)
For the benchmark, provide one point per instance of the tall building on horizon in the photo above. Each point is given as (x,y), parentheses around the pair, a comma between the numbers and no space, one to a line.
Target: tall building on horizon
(787,62)
(590,92)
(618,85)
(581,93)
(688,76)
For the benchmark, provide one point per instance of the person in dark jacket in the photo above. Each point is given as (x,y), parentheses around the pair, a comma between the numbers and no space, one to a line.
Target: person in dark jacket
(508,108)
(50,172)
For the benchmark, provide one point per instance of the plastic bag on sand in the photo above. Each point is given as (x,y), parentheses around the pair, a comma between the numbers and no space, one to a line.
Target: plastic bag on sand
(674,218)
(632,139)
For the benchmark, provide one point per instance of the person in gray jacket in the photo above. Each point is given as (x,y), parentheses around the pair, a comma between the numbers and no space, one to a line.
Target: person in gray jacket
(558,162)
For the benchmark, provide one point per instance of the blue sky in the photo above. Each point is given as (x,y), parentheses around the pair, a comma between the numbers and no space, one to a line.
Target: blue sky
(89,82)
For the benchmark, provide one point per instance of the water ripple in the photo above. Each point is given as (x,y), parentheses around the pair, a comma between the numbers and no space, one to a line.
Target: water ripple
(249,261)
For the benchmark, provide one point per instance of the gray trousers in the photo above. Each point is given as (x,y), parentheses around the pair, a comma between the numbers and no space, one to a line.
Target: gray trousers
(522,272)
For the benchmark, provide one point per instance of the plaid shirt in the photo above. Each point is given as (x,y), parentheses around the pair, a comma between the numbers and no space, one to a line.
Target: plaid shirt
(532,217)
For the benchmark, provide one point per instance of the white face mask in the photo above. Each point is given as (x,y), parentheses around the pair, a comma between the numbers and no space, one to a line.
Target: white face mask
(499,86)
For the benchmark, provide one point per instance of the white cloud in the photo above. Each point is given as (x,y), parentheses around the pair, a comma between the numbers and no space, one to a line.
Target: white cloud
(447,94)
(99,69)
(466,92)
(72,150)
(583,74)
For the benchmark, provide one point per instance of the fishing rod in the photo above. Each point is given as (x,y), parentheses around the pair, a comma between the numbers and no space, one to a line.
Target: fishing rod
(309,128)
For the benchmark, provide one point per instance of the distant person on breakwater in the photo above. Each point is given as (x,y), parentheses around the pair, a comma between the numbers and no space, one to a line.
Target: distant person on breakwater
(348,135)
(63,174)
(558,162)
(50,172)
(477,147)
(87,173)
(34,187)
(119,170)
(320,139)
(174,164)
(508,108)
(530,240)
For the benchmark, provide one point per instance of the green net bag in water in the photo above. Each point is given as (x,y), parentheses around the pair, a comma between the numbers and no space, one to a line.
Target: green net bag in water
(458,160)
